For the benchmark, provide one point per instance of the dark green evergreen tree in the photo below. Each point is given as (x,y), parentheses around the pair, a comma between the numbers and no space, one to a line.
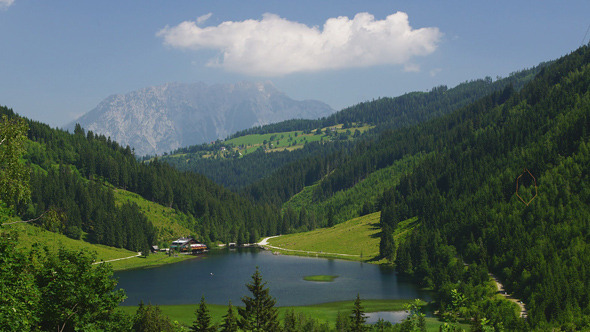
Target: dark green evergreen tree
(203,321)
(151,319)
(358,316)
(290,321)
(259,312)
(387,244)
(230,321)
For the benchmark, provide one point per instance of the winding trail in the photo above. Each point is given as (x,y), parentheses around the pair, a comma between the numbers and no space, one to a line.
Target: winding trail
(501,291)
(117,259)
(264,244)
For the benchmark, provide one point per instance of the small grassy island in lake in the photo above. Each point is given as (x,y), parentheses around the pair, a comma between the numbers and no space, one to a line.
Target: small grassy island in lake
(321,277)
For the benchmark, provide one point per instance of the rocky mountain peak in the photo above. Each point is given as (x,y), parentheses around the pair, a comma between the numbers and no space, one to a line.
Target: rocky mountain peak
(159,119)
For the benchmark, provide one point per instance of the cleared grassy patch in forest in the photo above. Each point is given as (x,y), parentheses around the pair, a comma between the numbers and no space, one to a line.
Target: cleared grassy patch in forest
(171,224)
(358,237)
(28,235)
(275,142)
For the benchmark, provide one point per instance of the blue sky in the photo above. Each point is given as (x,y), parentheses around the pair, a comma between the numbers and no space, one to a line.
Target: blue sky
(59,59)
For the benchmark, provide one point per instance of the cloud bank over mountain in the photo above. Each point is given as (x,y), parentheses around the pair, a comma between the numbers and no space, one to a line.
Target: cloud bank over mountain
(275,46)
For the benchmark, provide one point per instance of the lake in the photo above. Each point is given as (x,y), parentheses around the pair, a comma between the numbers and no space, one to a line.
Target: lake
(221,275)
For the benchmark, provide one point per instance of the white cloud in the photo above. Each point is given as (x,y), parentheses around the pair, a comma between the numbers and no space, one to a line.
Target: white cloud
(5,3)
(435,71)
(202,19)
(411,67)
(276,46)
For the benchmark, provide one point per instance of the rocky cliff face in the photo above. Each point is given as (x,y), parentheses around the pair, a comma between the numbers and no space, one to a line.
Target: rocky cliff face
(163,118)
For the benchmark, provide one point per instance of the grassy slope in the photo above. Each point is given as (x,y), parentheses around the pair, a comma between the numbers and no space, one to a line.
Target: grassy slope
(289,140)
(30,234)
(354,237)
(145,262)
(347,203)
(171,224)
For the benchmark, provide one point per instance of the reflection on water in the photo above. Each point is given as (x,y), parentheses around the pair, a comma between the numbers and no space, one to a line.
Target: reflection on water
(221,275)
(389,316)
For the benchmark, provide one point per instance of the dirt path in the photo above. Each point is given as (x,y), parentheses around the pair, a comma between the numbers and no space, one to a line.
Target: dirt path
(117,259)
(264,241)
(500,287)
(264,244)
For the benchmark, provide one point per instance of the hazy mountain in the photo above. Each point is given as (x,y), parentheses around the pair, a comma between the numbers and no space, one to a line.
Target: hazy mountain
(163,118)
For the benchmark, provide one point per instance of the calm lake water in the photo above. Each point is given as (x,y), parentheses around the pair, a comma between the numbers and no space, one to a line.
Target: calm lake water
(221,275)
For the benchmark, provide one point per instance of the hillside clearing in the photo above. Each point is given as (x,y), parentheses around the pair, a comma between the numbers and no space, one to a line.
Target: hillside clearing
(171,224)
(355,239)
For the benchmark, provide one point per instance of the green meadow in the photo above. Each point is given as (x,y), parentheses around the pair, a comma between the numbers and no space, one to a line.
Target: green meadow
(358,237)
(324,313)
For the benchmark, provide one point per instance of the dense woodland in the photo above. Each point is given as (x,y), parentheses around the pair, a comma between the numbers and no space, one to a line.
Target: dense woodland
(347,167)
(466,202)
(237,173)
(405,110)
(72,172)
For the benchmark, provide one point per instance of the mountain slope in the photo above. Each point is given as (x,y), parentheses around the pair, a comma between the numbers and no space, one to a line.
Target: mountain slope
(163,118)
(237,172)
(74,175)
(465,198)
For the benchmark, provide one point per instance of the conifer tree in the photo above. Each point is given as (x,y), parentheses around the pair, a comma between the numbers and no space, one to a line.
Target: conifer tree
(230,321)
(387,245)
(203,321)
(290,321)
(259,313)
(358,316)
(149,318)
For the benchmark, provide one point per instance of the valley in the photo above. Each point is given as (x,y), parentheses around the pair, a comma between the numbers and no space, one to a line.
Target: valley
(410,197)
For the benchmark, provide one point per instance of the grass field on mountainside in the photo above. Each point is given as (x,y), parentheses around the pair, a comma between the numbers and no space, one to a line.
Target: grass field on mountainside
(171,224)
(358,237)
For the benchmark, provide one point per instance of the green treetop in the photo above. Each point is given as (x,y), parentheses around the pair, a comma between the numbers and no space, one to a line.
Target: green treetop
(259,313)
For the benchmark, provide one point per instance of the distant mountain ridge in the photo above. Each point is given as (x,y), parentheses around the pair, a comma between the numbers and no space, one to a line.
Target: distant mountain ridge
(159,119)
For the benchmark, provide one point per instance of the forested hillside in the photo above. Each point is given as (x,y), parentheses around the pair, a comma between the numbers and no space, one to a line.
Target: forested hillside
(408,109)
(237,172)
(72,174)
(463,193)
(465,198)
